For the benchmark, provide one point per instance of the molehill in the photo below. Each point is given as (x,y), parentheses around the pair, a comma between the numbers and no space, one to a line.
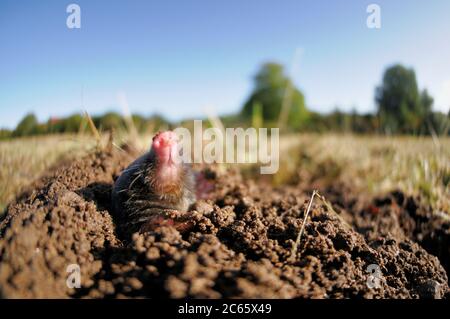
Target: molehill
(240,245)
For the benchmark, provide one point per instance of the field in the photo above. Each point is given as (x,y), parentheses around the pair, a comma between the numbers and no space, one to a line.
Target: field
(383,201)
(376,165)
(25,160)
(373,165)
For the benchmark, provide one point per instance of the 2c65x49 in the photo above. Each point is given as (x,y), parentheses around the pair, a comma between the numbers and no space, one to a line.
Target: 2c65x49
(247,308)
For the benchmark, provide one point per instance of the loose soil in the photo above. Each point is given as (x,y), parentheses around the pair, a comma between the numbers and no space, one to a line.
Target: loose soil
(239,247)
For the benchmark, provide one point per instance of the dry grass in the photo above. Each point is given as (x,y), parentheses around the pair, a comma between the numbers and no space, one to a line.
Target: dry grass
(372,164)
(25,159)
(302,229)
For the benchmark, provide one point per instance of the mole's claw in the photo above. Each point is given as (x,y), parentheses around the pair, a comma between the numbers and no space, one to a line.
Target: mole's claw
(156,222)
(173,219)
(183,227)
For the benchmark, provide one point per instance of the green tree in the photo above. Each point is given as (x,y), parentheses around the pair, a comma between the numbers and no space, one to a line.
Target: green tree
(72,123)
(157,122)
(339,121)
(270,90)
(427,102)
(27,126)
(427,124)
(400,106)
(139,122)
(109,121)
(5,134)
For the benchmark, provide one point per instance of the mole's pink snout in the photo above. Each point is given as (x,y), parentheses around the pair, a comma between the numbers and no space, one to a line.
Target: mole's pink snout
(165,139)
(165,144)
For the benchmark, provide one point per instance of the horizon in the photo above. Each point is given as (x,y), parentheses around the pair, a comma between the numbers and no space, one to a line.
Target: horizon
(178,59)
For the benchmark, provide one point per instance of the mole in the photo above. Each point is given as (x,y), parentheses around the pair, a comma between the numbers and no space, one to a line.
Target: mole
(155,190)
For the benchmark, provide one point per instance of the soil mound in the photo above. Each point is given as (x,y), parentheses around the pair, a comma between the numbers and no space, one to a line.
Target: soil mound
(240,245)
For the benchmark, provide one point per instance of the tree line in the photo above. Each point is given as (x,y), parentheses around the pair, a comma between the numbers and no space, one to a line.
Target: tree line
(402,108)
(78,123)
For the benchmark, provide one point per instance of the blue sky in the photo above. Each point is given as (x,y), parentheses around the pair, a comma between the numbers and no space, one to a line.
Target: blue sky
(177,58)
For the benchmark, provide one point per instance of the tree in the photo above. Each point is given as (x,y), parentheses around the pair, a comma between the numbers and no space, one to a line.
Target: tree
(27,126)
(400,106)
(157,122)
(72,123)
(138,122)
(109,121)
(270,89)
(339,121)
(428,119)
(5,134)
(427,102)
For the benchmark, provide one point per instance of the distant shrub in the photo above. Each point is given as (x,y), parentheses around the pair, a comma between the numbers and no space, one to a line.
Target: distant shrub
(27,126)
(5,134)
